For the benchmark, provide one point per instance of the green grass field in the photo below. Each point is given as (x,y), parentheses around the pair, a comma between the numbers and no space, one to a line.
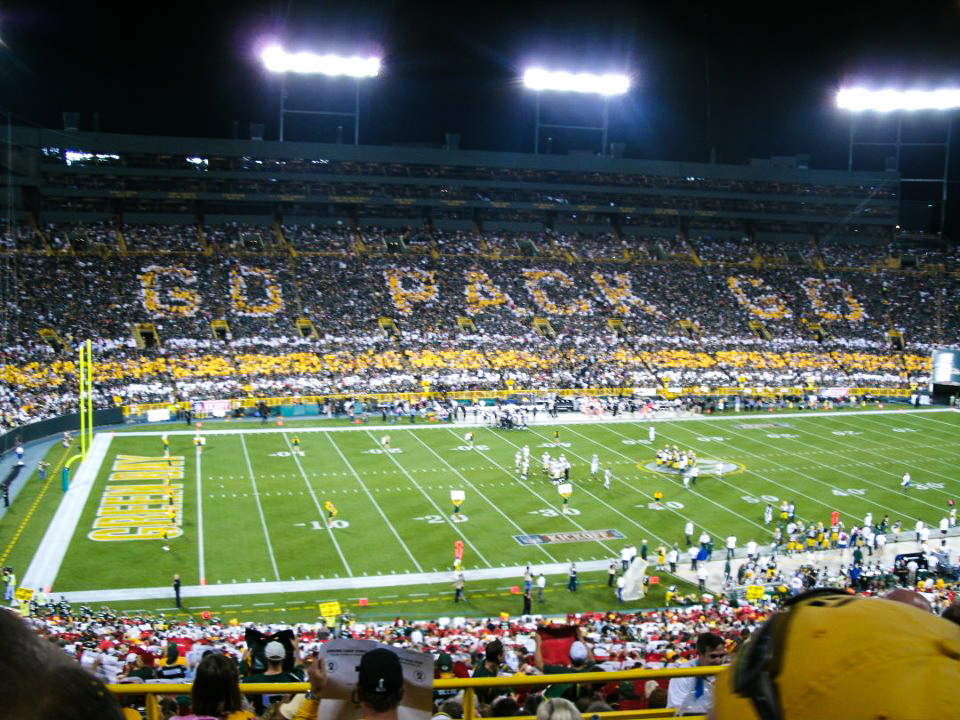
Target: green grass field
(252,507)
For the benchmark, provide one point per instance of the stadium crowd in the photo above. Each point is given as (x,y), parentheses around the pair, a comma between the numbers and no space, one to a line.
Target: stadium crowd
(463,307)
(118,648)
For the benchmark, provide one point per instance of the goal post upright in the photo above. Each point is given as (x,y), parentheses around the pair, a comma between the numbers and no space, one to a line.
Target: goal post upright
(89,393)
(83,403)
(86,396)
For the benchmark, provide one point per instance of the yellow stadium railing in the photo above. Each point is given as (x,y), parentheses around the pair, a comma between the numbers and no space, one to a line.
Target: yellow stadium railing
(153,691)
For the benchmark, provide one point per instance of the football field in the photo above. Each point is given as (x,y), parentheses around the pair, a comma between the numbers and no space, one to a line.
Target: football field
(251,518)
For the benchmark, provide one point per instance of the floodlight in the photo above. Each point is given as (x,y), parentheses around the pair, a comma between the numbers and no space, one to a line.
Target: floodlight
(861,99)
(562,81)
(276,59)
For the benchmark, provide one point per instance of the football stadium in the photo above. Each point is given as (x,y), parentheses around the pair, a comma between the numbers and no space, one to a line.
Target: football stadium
(275,402)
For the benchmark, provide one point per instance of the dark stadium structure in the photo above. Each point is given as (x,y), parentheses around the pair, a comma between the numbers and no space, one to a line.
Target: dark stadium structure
(284,263)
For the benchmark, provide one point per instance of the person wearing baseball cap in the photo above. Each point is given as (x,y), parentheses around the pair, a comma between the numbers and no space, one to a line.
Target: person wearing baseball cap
(443,668)
(379,686)
(829,654)
(275,653)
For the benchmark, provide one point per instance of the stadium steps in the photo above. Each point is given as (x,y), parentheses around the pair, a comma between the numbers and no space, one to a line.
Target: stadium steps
(280,239)
(121,239)
(359,247)
(204,242)
(37,232)
(292,267)
(543,327)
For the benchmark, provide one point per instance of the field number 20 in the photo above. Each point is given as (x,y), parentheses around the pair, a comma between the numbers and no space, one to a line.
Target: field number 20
(440,519)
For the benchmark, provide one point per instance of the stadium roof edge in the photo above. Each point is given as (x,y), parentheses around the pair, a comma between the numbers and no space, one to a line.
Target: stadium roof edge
(225,147)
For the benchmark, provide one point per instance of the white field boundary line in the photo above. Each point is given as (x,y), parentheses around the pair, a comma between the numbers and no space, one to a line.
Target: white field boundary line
(675,480)
(821,451)
(330,584)
(568,419)
(203,571)
(263,520)
(316,502)
(875,467)
(712,531)
(778,486)
(481,494)
(374,502)
(440,511)
(46,562)
(614,554)
(908,447)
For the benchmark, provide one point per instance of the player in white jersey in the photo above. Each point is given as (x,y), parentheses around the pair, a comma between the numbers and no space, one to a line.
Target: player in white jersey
(905,483)
(545,459)
(594,466)
(517,456)
(652,433)
(525,468)
(385,442)
(526,452)
(768,514)
(556,471)
(607,477)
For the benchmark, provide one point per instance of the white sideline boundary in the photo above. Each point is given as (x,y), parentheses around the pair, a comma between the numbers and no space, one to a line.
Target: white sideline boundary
(324,585)
(46,562)
(565,419)
(45,565)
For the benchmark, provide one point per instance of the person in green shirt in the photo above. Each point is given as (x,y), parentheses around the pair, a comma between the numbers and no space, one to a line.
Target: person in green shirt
(490,667)
(275,653)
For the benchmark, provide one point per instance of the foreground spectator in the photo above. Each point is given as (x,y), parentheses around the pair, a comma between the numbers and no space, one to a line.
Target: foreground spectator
(39,682)
(275,653)
(557,709)
(379,686)
(216,691)
(694,695)
(832,654)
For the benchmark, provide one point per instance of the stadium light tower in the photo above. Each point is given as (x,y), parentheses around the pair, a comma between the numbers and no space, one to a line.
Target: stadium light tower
(277,60)
(606,86)
(899,103)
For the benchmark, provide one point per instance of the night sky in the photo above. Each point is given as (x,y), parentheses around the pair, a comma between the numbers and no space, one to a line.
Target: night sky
(190,69)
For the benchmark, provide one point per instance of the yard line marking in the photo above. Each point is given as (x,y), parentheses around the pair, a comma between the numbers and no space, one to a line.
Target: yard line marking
(602,544)
(902,445)
(316,502)
(862,498)
(452,524)
(714,502)
(203,572)
(480,493)
(375,503)
(632,487)
(263,521)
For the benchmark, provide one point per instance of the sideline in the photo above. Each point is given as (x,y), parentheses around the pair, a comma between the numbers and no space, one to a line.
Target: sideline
(356,583)
(54,474)
(46,561)
(572,418)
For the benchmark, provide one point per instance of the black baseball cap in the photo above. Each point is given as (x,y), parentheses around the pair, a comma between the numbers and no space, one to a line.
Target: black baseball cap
(380,672)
